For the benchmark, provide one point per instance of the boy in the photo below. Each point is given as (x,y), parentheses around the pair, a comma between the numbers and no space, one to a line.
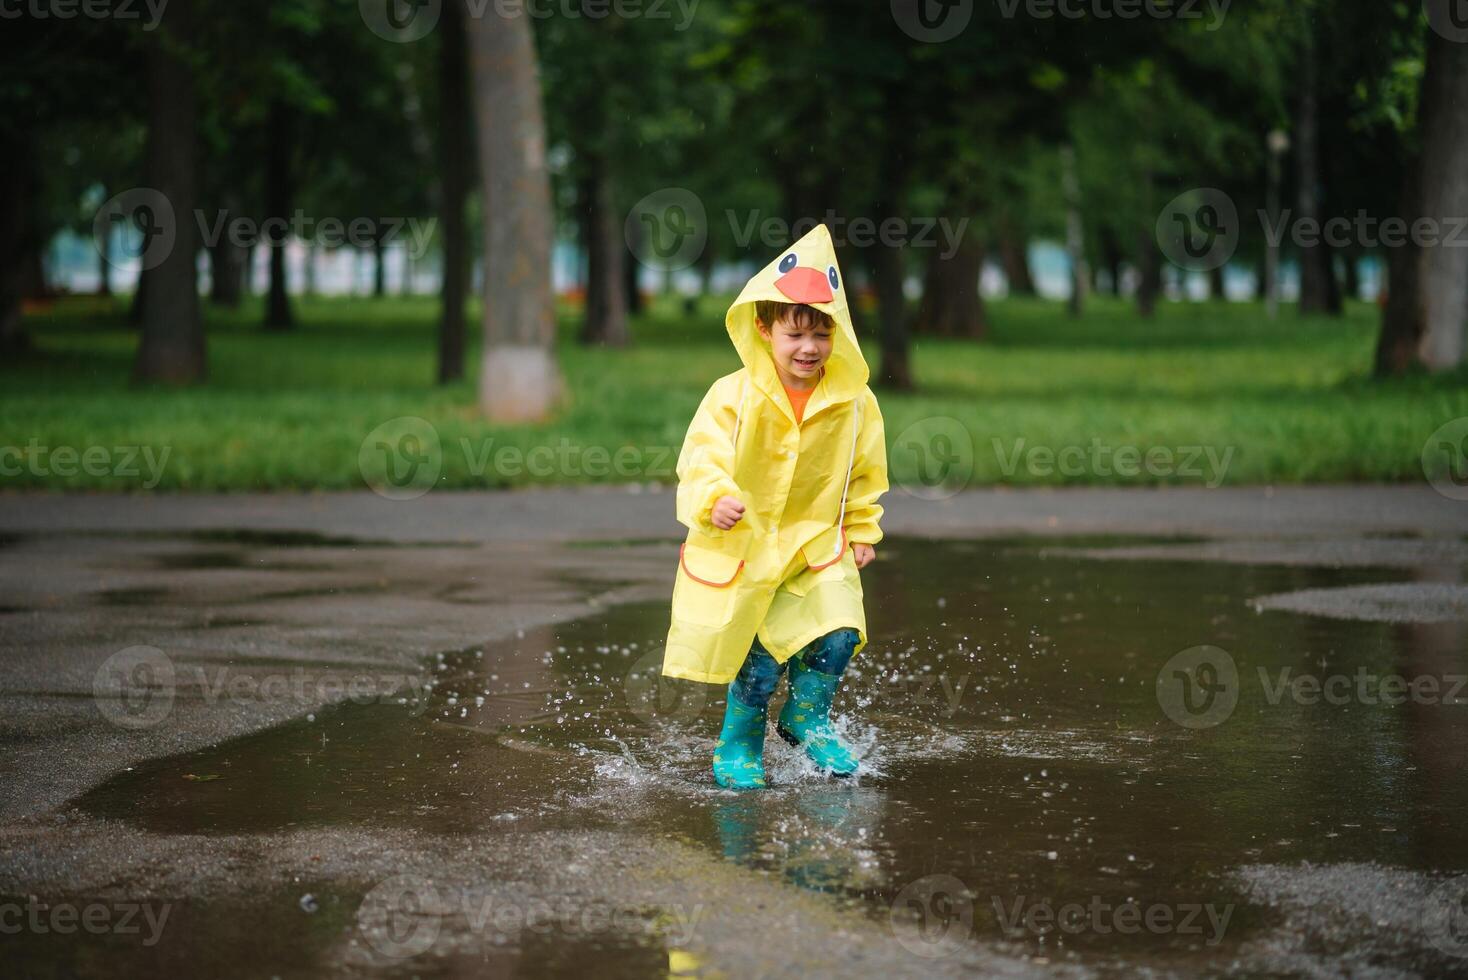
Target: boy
(778,483)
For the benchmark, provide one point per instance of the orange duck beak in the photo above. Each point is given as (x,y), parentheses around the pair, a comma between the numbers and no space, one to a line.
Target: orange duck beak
(805,285)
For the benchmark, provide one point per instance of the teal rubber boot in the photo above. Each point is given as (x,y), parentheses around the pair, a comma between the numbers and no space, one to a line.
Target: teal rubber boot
(739,753)
(806,719)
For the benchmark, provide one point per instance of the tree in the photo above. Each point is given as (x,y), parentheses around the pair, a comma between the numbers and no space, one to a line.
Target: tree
(1318,290)
(172,346)
(18,179)
(63,82)
(456,153)
(1427,306)
(600,88)
(519,378)
(951,305)
(279,193)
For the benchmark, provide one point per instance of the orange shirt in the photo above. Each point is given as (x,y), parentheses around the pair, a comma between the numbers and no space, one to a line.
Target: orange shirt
(798,398)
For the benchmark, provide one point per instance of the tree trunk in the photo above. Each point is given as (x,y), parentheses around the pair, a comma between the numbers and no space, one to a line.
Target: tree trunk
(1402,321)
(225,271)
(1333,292)
(456,171)
(1427,304)
(606,307)
(885,262)
(226,263)
(519,380)
(1317,292)
(931,308)
(885,265)
(140,299)
(1014,258)
(706,260)
(278,195)
(251,251)
(1111,258)
(104,261)
(1217,289)
(18,194)
(632,276)
(952,305)
(1352,267)
(1075,231)
(308,269)
(171,350)
(1149,272)
(1269,277)
(379,266)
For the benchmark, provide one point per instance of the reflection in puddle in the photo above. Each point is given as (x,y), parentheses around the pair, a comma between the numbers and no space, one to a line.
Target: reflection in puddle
(1008,703)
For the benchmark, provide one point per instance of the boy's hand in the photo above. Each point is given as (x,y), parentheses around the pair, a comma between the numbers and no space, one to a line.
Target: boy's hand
(865,554)
(726,512)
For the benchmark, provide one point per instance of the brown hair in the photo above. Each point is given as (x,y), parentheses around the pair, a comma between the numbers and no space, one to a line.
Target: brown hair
(771,312)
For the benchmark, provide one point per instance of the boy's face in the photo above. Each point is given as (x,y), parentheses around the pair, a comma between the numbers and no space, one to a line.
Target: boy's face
(798,351)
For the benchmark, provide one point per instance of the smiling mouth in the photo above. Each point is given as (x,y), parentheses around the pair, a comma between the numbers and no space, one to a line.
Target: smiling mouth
(812,362)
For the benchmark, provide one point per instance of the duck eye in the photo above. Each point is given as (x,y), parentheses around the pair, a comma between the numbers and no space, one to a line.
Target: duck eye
(831,275)
(788,262)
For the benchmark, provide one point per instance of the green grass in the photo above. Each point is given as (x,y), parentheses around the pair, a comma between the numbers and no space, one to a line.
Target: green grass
(1289,401)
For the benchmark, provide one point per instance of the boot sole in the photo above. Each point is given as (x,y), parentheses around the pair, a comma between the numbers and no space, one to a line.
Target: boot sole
(789,737)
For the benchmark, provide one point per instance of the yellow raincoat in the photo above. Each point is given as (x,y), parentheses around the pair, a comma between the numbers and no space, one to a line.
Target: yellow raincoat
(809,489)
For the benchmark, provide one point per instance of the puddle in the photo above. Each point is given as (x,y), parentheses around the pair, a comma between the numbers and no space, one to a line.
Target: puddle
(105,936)
(1016,755)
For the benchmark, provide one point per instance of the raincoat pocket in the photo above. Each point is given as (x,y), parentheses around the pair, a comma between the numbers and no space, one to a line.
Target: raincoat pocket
(825,549)
(705,589)
(823,564)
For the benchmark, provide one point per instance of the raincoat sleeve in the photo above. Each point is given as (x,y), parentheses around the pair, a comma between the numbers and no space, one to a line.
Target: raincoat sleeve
(706,463)
(868,477)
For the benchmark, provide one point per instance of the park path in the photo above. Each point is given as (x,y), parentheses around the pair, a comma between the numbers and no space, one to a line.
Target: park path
(238,590)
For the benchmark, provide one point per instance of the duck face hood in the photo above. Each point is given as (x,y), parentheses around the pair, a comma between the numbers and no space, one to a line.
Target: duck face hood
(806,272)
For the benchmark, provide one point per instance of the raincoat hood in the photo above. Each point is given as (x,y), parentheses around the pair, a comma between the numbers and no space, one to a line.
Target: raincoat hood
(806,272)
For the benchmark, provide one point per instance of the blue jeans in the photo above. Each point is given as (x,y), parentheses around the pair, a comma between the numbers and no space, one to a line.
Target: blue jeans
(760,673)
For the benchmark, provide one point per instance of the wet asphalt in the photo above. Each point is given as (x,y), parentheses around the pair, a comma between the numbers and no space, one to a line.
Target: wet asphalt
(259,614)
